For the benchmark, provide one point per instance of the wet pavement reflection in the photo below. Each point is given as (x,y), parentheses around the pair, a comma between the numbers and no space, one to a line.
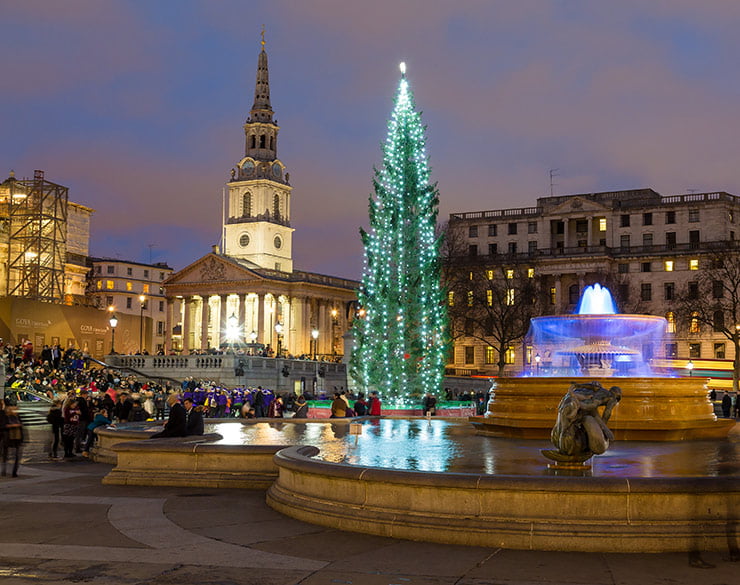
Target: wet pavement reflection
(452,446)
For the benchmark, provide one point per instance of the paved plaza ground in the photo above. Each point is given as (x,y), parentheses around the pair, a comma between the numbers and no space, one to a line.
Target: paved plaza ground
(61,525)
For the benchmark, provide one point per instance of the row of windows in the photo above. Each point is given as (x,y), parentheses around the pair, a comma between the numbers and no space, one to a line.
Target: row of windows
(247,207)
(129,286)
(625,220)
(130,301)
(625,241)
(668,266)
(511,229)
(262,141)
(111,269)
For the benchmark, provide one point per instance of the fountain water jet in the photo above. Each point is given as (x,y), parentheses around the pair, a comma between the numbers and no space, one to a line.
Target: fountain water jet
(599,344)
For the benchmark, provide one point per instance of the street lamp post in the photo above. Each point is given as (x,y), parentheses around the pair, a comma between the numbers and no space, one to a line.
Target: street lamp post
(537,360)
(142,301)
(315,336)
(690,367)
(113,324)
(334,325)
(279,331)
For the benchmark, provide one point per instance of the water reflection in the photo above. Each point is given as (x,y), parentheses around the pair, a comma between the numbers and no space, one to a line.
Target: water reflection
(451,446)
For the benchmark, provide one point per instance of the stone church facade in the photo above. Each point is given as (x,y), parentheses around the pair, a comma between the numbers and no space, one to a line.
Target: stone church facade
(248,292)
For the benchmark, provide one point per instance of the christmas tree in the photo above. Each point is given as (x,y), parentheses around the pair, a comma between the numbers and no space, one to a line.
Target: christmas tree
(400,332)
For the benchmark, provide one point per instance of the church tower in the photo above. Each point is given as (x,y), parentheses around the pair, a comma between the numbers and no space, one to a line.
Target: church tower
(257,224)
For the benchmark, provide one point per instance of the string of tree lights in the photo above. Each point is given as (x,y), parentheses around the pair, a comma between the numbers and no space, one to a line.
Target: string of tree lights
(400,337)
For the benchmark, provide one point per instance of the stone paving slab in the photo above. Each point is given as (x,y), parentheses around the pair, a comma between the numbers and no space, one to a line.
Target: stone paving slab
(59,524)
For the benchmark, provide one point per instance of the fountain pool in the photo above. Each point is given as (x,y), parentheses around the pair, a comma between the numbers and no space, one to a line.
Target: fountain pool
(438,481)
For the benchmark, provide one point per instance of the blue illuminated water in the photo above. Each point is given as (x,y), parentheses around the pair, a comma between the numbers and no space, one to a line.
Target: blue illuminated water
(596,341)
(451,446)
(596,300)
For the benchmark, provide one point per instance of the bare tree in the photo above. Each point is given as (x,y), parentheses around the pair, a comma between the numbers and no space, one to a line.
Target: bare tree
(491,298)
(713,300)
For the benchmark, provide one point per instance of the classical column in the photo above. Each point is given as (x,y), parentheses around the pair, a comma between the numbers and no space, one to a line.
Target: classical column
(187,307)
(261,319)
(288,332)
(223,319)
(204,322)
(324,330)
(589,230)
(170,306)
(242,315)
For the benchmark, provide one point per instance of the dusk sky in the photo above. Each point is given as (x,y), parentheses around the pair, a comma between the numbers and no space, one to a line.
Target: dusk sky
(138,106)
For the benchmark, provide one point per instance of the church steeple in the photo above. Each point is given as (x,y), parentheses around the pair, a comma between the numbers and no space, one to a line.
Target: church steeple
(260,129)
(261,109)
(257,228)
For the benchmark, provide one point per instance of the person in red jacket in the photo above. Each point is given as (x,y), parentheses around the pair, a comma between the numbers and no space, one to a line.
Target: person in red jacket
(374,404)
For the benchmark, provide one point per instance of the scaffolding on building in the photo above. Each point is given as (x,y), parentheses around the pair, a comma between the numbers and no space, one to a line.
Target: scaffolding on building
(35,214)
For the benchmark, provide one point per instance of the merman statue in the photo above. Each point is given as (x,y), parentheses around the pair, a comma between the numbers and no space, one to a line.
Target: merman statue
(580,430)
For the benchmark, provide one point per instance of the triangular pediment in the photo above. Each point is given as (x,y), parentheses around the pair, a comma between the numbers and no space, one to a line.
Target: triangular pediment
(578,205)
(213,268)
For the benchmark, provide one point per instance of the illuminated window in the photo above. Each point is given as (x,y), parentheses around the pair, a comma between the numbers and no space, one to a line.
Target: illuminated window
(509,355)
(109,284)
(669,265)
(470,298)
(553,295)
(489,274)
(451,298)
(129,286)
(470,275)
(509,273)
(145,288)
(530,272)
(602,224)
(670,316)
(100,284)
(510,296)
(489,297)
(490,355)
(694,264)
(694,327)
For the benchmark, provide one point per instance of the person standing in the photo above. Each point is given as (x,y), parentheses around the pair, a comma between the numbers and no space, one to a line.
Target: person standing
(71,416)
(12,430)
(56,420)
(374,404)
(275,410)
(301,407)
(726,405)
(83,403)
(430,404)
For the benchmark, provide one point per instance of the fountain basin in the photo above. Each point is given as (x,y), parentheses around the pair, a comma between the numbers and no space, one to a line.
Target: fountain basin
(537,513)
(449,485)
(651,409)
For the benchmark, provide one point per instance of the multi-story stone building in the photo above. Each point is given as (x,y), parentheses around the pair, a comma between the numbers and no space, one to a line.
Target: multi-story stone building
(133,288)
(650,249)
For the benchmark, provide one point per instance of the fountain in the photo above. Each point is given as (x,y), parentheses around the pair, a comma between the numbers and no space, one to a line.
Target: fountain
(598,344)
(437,481)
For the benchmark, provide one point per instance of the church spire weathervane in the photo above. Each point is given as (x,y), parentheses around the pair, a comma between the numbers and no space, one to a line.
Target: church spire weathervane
(261,109)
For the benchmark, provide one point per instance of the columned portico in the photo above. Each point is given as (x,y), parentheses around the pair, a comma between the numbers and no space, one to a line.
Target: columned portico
(259,299)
